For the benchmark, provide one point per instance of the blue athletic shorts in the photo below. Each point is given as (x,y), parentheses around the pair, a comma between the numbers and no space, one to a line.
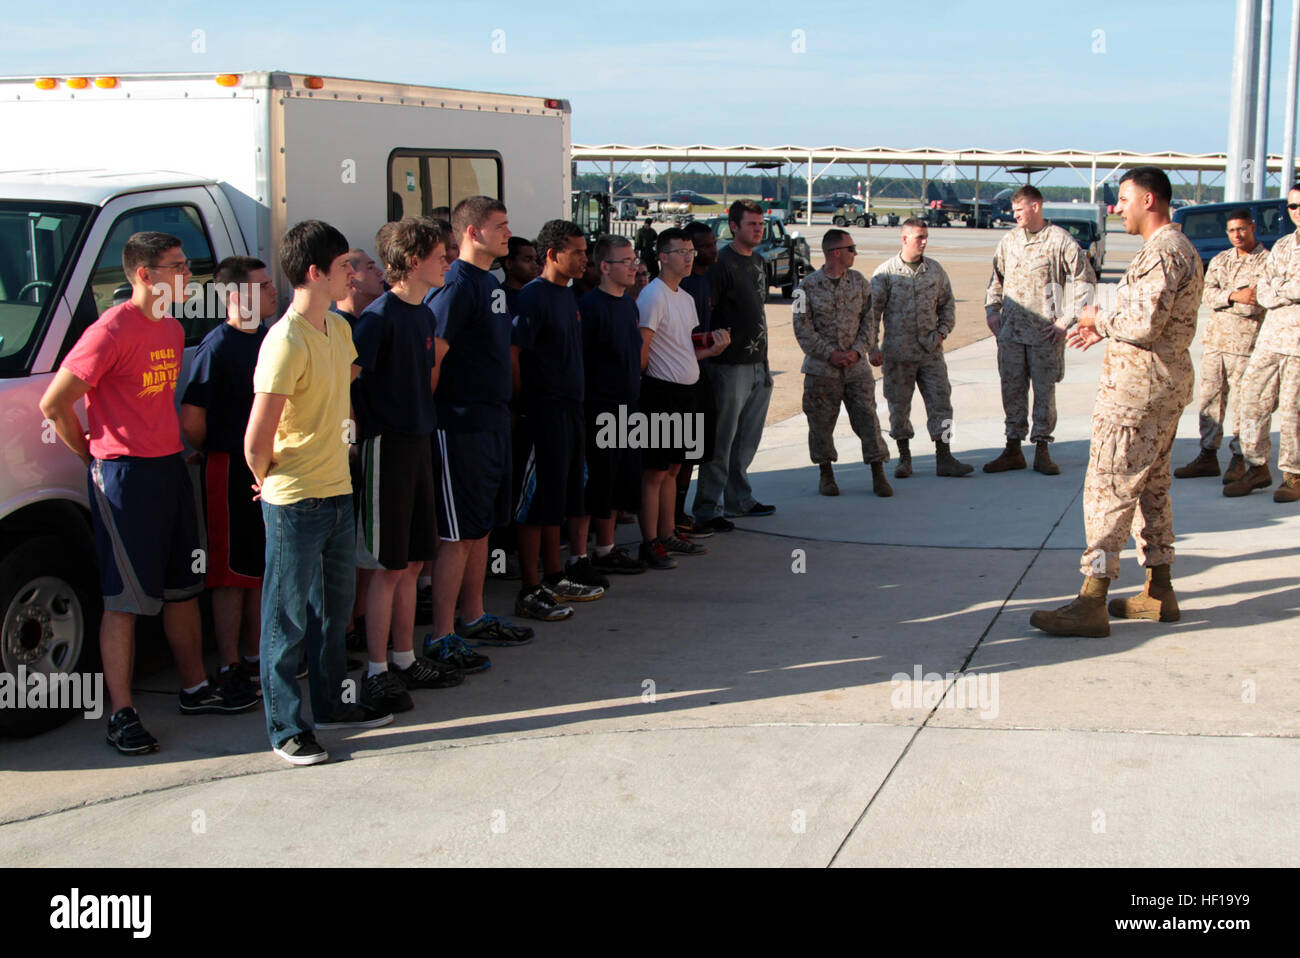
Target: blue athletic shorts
(146,533)
(472,470)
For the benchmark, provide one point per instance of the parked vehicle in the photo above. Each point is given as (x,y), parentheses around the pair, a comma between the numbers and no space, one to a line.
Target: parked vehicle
(1085,234)
(786,256)
(1206,225)
(854,212)
(1062,214)
(256,152)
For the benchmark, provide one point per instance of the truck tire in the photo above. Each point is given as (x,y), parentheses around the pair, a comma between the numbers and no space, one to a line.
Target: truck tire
(860,221)
(837,220)
(49,619)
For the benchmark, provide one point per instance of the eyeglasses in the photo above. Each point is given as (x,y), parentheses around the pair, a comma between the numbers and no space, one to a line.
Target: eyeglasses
(851,249)
(622,262)
(683,252)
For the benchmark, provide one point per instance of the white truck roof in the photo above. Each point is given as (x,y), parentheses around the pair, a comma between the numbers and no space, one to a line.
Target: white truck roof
(95,187)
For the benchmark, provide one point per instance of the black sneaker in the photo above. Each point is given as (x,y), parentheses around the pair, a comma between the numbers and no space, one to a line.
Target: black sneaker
(617,562)
(539,603)
(655,556)
(757,509)
(384,692)
(494,630)
(583,572)
(236,680)
(716,524)
(677,546)
(215,699)
(427,674)
(128,735)
(302,749)
(423,605)
(687,529)
(357,716)
(451,651)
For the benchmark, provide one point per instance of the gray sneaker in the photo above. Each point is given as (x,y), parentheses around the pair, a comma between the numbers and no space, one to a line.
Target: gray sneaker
(677,546)
(302,749)
(565,589)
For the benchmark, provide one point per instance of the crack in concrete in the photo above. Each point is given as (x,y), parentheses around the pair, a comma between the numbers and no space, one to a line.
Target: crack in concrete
(956,677)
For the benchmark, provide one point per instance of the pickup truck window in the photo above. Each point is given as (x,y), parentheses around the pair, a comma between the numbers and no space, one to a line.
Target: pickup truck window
(183,221)
(38,246)
(432,182)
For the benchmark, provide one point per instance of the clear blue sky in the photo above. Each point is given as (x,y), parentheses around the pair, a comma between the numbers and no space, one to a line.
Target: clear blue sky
(911,73)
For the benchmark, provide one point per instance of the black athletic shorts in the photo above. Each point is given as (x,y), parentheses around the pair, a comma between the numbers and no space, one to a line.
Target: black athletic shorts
(555,473)
(473,474)
(398,502)
(613,469)
(669,439)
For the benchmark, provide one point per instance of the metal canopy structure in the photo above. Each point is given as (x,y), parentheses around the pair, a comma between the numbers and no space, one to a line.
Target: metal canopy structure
(1093,167)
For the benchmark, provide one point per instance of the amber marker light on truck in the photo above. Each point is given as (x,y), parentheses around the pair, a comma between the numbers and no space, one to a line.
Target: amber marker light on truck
(106,83)
(46,83)
(227,79)
(314,83)
(77,83)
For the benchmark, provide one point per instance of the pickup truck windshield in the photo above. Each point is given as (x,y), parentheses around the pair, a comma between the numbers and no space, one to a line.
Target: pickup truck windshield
(38,245)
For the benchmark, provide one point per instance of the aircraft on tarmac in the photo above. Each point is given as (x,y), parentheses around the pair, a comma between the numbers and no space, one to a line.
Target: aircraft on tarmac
(991,210)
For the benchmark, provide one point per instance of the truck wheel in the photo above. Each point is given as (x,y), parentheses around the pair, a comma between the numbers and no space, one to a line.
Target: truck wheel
(837,220)
(50,603)
(860,221)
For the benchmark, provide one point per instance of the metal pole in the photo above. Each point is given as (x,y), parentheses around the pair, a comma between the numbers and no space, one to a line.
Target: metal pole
(807,218)
(724,175)
(1287,175)
(1241,113)
(977,196)
(1092,184)
(1261,103)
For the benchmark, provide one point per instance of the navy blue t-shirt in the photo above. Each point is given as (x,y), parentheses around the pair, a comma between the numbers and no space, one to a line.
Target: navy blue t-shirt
(611,348)
(698,287)
(512,299)
(470,314)
(394,343)
(222,383)
(548,332)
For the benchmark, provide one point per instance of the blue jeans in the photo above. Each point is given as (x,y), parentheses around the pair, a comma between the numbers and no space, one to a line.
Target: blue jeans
(742,395)
(307,595)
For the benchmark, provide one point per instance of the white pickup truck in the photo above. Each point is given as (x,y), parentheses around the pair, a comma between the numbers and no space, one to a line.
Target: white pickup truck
(226,162)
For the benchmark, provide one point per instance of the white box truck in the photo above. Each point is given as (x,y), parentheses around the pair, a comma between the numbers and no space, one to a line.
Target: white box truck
(1086,222)
(226,162)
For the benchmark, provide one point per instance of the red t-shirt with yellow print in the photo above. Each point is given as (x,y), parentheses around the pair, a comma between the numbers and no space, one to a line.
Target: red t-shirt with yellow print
(132,363)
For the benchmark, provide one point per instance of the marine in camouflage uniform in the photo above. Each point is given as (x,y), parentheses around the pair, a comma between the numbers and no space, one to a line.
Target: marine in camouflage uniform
(915,303)
(1272,378)
(1146,381)
(1227,341)
(832,316)
(1026,293)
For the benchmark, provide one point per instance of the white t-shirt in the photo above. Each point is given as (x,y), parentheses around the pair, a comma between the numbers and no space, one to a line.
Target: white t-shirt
(671,314)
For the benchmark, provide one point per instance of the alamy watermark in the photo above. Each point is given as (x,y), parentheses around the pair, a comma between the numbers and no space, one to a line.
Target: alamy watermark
(969,690)
(210,299)
(656,430)
(82,691)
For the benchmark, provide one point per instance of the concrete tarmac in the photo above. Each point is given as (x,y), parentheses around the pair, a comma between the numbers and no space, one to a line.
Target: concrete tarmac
(852,681)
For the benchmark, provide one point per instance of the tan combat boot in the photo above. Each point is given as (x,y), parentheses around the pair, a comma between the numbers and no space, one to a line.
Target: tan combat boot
(1043,461)
(1011,458)
(1156,602)
(946,465)
(1085,616)
(1289,490)
(1204,465)
(1236,469)
(879,484)
(1256,477)
(904,468)
(826,484)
